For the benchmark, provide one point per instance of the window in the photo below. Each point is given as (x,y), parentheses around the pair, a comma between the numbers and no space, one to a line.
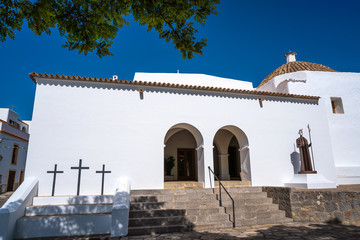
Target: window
(15,154)
(336,105)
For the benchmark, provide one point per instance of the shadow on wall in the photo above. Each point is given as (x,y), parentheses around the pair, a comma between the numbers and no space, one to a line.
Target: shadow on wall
(74,225)
(295,161)
(159,215)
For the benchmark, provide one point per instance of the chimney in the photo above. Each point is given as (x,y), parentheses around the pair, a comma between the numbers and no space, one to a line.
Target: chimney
(290,57)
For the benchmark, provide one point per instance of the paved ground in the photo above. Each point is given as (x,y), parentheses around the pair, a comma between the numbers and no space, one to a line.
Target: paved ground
(4,197)
(286,231)
(293,231)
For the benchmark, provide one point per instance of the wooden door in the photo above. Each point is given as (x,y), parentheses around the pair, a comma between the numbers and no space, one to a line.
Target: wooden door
(11,180)
(186,164)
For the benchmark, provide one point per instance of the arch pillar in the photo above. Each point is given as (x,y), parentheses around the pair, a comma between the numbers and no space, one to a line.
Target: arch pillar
(245,164)
(208,162)
(224,166)
(200,163)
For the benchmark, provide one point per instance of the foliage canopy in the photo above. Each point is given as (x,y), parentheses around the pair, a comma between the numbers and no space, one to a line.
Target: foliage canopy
(91,25)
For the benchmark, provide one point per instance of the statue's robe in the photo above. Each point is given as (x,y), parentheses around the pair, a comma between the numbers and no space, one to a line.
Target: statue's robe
(303,146)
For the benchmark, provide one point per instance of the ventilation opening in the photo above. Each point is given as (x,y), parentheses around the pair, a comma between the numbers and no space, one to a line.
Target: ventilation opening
(337,105)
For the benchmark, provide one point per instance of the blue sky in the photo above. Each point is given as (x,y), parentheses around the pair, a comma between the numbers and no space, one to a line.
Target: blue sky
(247,40)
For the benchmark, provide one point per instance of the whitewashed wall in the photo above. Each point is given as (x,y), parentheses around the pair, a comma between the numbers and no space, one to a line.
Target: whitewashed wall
(344,128)
(7,141)
(111,124)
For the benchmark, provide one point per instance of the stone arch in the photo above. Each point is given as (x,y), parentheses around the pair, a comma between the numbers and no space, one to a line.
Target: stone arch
(232,136)
(185,138)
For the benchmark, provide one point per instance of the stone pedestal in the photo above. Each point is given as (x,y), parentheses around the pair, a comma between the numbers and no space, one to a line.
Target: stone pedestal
(310,181)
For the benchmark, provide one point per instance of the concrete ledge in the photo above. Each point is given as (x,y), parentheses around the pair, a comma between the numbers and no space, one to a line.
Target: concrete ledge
(310,181)
(120,210)
(66,200)
(15,206)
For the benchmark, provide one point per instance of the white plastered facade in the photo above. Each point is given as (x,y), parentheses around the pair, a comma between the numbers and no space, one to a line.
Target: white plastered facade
(126,127)
(344,126)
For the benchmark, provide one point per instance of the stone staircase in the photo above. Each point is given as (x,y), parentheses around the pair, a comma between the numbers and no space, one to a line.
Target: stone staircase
(175,210)
(252,206)
(151,212)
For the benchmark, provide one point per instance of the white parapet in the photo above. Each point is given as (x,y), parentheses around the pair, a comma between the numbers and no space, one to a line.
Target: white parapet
(15,206)
(310,181)
(120,210)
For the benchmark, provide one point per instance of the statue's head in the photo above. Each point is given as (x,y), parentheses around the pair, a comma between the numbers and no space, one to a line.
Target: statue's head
(301,132)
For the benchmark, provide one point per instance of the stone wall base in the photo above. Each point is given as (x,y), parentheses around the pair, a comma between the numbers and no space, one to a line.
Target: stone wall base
(342,206)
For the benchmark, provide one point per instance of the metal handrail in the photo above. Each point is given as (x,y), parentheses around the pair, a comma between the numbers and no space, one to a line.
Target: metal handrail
(220,200)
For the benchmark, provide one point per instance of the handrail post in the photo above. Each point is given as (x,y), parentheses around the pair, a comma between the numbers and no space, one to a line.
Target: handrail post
(220,194)
(233,204)
(220,200)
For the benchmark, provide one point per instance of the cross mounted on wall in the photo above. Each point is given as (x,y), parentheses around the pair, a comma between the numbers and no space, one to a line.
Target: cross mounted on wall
(54,178)
(103,178)
(80,167)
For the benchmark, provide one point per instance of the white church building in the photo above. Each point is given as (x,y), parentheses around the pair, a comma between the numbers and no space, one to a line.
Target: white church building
(129,128)
(201,121)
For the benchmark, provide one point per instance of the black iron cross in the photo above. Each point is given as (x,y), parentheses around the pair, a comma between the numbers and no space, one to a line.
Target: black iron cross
(79,175)
(103,177)
(54,178)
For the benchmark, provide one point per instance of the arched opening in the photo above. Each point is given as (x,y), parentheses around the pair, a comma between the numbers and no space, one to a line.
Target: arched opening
(231,154)
(183,154)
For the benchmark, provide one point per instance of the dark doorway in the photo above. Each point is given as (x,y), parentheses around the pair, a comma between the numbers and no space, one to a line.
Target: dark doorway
(186,164)
(11,180)
(234,168)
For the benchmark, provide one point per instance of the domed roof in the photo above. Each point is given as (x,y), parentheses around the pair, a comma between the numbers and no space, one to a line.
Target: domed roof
(294,66)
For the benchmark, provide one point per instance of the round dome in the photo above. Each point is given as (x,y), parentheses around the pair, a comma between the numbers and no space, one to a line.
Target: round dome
(296,66)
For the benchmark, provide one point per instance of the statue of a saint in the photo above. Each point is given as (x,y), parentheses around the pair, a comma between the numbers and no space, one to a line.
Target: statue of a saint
(303,146)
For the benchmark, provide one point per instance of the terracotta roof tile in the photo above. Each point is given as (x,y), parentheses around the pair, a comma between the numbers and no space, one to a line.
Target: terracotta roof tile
(34,75)
(295,67)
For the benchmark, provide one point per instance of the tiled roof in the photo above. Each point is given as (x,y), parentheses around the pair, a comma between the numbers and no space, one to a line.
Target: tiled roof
(34,75)
(295,67)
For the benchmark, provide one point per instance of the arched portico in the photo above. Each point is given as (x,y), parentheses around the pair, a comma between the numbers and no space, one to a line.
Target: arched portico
(231,154)
(184,143)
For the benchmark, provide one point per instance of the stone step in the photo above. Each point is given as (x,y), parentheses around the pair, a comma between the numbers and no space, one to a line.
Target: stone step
(236,190)
(250,222)
(171,191)
(172,197)
(58,226)
(183,184)
(52,210)
(173,205)
(247,195)
(209,226)
(156,213)
(252,208)
(158,221)
(64,200)
(208,218)
(151,230)
(178,220)
(269,215)
(175,212)
(246,201)
(234,183)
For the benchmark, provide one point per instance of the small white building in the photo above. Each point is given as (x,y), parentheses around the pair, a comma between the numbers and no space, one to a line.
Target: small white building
(200,121)
(14,138)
